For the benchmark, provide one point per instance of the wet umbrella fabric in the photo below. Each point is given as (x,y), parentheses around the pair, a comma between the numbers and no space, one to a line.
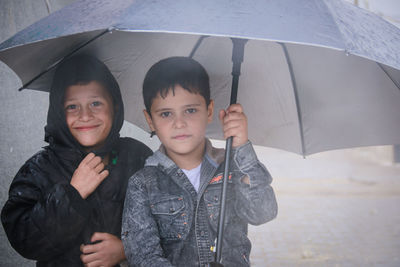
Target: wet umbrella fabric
(317,75)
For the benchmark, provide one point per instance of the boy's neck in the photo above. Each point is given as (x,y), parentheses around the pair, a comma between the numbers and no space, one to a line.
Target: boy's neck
(188,162)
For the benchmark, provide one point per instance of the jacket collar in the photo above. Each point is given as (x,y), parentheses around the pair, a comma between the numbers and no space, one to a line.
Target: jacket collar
(214,156)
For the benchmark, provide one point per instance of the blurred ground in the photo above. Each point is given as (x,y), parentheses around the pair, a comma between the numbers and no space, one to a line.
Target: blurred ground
(338,208)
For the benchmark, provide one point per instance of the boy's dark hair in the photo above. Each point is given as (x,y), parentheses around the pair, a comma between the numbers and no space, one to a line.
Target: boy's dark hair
(166,73)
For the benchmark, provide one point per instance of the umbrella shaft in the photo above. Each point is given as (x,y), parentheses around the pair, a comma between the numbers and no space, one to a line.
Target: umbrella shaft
(234,90)
(221,220)
(237,59)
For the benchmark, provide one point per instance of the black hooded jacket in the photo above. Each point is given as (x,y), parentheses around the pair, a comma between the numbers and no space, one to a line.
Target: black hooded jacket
(45,218)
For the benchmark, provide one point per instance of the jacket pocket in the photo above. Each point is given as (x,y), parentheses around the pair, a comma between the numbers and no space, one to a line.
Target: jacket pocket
(212,200)
(171,218)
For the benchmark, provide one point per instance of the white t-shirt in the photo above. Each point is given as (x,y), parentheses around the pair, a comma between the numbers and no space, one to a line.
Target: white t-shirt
(194,176)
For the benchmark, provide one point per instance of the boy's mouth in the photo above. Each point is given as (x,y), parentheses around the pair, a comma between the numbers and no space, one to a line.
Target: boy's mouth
(181,137)
(86,128)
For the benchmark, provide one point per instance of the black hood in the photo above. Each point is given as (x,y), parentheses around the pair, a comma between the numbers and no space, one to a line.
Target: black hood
(80,70)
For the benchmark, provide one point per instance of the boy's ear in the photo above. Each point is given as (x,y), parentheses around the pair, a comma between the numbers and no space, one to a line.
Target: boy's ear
(210,111)
(148,119)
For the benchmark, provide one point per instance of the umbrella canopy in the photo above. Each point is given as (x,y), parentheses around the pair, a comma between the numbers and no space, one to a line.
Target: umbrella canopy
(317,75)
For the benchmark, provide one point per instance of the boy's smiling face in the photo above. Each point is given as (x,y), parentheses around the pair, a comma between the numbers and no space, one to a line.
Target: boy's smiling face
(180,121)
(88,113)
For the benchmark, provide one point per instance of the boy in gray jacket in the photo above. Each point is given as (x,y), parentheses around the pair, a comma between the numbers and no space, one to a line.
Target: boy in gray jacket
(172,205)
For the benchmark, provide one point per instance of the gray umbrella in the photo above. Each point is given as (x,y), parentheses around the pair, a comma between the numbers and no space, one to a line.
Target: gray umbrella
(317,75)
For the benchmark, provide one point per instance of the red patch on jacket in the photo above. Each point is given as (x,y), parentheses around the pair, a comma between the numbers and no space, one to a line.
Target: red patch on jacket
(218,178)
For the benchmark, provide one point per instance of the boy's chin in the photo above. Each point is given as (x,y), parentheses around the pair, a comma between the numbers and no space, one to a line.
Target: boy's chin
(187,149)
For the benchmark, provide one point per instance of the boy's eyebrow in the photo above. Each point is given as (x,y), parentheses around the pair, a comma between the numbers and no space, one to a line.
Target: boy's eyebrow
(75,98)
(162,109)
(70,99)
(192,105)
(185,106)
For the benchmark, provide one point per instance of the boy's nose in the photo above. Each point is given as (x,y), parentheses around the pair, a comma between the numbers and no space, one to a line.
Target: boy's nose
(85,113)
(179,122)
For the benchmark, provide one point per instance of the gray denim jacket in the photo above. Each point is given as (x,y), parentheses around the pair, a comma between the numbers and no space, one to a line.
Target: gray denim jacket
(167,223)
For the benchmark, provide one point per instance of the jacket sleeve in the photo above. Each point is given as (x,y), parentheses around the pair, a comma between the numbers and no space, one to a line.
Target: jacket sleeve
(255,198)
(42,219)
(139,230)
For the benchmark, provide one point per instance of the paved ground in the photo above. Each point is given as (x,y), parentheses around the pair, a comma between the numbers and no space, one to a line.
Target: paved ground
(335,209)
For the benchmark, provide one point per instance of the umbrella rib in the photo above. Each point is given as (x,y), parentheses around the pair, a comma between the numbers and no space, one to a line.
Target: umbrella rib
(390,77)
(196,46)
(60,60)
(296,95)
(48,6)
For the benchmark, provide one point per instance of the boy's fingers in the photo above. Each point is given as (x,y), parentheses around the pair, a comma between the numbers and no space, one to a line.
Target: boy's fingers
(87,249)
(99,167)
(234,121)
(232,131)
(234,116)
(235,108)
(89,258)
(103,175)
(94,162)
(98,237)
(88,158)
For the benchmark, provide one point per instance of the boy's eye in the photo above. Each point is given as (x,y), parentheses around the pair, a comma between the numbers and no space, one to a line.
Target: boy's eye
(71,107)
(165,114)
(191,110)
(96,103)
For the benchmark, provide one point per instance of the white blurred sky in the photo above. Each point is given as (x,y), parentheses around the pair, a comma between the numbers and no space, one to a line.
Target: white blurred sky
(388,9)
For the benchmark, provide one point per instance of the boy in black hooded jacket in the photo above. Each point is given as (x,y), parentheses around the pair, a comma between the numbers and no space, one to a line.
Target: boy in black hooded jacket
(65,203)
